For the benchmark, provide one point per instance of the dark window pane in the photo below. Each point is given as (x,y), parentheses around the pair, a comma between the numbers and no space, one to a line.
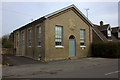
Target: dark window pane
(39,35)
(81,43)
(82,37)
(29,37)
(58,36)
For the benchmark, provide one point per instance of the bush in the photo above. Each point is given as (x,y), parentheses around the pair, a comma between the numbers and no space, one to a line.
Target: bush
(6,41)
(106,50)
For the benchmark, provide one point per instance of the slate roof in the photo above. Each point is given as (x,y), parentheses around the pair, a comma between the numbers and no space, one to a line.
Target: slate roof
(102,36)
(104,27)
(115,29)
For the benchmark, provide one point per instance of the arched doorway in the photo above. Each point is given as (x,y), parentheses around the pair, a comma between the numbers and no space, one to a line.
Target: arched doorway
(71,46)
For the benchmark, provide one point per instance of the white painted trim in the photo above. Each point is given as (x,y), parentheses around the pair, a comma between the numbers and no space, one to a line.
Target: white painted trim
(29,46)
(109,35)
(82,46)
(59,46)
(118,34)
(38,46)
(108,27)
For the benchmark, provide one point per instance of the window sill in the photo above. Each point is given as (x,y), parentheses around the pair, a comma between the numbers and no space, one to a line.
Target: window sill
(82,46)
(29,46)
(39,46)
(109,35)
(59,46)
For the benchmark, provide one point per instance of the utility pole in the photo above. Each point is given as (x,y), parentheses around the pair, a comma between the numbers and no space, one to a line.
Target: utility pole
(87,11)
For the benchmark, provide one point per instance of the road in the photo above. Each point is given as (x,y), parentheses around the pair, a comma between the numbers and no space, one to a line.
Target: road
(99,71)
(80,68)
(107,70)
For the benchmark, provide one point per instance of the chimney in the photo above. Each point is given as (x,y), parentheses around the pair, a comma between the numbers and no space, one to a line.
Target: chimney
(101,23)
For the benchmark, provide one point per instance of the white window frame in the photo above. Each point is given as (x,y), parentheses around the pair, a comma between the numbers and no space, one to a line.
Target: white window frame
(38,36)
(118,34)
(83,38)
(59,46)
(59,37)
(109,33)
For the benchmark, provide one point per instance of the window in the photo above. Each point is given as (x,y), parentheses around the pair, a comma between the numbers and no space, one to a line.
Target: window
(109,33)
(82,37)
(118,34)
(39,36)
(29,37)
(58,36)
(17,40)
(22,38)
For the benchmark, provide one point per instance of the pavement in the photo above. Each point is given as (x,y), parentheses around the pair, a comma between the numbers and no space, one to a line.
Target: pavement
(79,68)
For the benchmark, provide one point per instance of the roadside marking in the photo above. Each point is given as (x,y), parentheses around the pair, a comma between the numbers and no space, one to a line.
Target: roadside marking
(112,72)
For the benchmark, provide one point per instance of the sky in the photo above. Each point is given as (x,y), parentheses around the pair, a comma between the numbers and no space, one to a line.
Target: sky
(17,14)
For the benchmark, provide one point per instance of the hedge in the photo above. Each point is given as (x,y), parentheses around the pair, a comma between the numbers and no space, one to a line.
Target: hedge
(106,50)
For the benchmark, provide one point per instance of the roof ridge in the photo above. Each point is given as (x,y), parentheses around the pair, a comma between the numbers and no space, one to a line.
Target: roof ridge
(106,24)
(57,11)
(48,15)
(53,13)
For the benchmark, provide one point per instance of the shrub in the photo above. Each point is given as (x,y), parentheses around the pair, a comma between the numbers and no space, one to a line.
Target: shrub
(6,41)
(106,50)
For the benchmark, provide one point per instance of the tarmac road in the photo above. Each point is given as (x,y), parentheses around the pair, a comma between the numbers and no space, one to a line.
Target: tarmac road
(80,68)
(103,70)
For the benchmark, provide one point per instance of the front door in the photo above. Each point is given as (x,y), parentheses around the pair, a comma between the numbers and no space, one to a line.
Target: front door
(71,46)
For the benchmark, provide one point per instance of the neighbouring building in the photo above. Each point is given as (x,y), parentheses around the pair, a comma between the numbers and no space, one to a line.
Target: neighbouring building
(116,32)
(63,34)
(103,33)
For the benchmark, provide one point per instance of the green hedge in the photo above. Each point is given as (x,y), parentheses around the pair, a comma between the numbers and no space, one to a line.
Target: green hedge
(106,50)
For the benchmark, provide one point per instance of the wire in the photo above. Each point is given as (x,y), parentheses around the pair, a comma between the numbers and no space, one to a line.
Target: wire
(18,12)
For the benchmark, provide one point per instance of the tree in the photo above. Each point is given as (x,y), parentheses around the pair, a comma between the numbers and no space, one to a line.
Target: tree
(7,42)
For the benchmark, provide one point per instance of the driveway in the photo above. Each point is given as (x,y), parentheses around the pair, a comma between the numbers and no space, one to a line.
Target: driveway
(80,68)
(19,60)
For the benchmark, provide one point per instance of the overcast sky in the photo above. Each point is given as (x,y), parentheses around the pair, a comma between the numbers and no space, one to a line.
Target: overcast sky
(17,14)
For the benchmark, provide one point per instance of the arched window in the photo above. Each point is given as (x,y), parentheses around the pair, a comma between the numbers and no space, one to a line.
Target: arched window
(71,37)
